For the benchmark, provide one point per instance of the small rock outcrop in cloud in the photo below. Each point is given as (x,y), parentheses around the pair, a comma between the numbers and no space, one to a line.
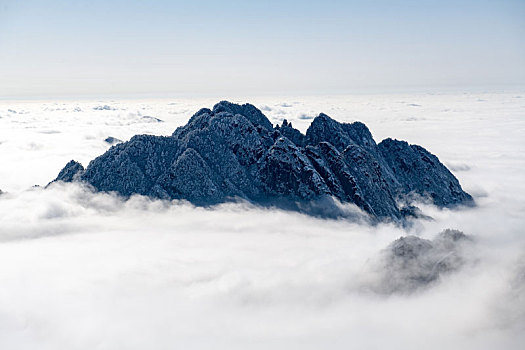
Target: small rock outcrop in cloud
(150,119)
(112,140)
(104,108)
(233,151)
(410,263)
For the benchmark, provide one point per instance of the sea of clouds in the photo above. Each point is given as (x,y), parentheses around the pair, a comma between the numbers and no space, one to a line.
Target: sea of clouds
(85,270)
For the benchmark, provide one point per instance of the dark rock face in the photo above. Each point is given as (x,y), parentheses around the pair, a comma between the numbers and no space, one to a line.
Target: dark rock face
(421,172)
(132,167)
(292,134)
(112,140)
(410,262)
(233,151)
(70,172)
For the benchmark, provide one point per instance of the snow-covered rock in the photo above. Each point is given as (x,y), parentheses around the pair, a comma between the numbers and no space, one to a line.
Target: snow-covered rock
(112,140)
(233,151)
(70,172)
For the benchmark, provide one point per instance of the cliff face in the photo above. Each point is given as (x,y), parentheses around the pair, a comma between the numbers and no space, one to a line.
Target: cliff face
(234,151)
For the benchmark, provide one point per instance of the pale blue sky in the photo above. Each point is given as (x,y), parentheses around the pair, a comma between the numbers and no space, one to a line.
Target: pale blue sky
(160,47)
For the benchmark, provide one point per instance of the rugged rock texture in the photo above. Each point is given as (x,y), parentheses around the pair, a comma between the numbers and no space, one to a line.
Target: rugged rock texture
(233,151)
(70,172)
(420,172)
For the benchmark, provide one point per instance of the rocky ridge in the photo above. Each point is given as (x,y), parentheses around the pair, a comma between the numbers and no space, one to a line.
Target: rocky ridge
(233,151)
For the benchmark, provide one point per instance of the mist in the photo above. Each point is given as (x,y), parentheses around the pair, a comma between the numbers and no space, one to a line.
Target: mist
(84,270)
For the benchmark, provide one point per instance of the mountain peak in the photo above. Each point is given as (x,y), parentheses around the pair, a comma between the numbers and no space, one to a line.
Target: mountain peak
(233,151)
(252,113)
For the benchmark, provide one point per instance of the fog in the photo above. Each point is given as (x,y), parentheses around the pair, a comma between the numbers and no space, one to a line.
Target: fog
(84,270)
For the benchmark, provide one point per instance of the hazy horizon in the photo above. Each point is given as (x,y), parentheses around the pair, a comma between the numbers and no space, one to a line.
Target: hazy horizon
(131,48)
(247,97)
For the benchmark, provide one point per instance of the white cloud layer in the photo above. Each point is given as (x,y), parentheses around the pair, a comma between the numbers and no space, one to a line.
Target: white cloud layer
(81,270)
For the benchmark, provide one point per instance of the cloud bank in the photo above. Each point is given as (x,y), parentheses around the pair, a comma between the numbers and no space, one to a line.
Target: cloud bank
(87,270)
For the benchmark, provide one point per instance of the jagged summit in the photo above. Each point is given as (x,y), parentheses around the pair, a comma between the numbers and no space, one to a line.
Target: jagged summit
(254,115)
(233,151)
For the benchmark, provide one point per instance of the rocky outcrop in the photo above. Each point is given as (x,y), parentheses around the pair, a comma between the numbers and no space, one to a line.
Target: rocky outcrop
(72,171)
(410,263)
(233,151)
(420,172)
(112,140)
